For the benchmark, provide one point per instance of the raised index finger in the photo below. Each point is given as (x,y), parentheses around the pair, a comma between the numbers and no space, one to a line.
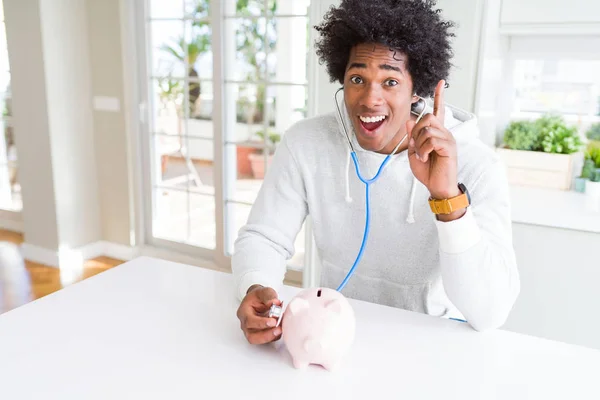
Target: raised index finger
(439,108)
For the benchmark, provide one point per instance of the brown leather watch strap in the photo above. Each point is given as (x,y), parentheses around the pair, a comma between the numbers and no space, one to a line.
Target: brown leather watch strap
(447,206)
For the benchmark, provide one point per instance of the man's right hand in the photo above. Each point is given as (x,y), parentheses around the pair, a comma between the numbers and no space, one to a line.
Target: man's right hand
(253,315)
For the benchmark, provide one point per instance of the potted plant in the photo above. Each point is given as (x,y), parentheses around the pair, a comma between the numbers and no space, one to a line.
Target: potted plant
(586,173)
(592,191)
(541,153)
(257,158)
(593,133)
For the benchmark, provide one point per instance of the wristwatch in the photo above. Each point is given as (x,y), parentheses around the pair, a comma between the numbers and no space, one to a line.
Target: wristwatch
(447,206)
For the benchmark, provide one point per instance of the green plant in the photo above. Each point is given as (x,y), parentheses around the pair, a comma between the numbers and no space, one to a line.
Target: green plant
(594,132)
(588,169)
(593,154)
(190,50)
(554,136)
(254,40)
(521,135)
(595,175)
(272,139)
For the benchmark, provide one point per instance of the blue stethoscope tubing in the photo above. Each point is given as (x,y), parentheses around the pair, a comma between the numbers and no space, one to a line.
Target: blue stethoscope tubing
(367,183)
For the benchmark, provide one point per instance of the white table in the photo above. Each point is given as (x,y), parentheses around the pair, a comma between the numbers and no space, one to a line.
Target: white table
(151,329)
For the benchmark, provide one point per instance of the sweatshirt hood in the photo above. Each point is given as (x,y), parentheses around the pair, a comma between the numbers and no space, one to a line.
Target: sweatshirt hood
(462,124)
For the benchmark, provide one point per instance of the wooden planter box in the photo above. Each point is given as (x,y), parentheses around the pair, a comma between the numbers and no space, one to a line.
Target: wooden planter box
(538,169)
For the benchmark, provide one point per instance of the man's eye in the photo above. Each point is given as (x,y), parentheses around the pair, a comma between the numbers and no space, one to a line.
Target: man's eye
(356,79)
(391,82)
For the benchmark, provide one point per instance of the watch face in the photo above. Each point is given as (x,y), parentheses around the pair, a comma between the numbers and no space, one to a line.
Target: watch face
(463,189)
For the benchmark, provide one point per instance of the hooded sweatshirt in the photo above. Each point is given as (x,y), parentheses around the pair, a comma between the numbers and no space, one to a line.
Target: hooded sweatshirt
(463,269)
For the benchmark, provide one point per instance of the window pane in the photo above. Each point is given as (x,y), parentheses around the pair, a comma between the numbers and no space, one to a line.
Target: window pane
(245,49)
(289,106)
(202,221)
(166,9)
(184,163)
(199,49)
(257,7)
(287,60)
(5,105)
(4,82)
(167,111)
(197,9)
(184,217)
(244,7)
(553,86)
(245,169)
(245,107)
(10,190)
(168,48)
(4,65)
(170,220)
(284,7)
(200,122)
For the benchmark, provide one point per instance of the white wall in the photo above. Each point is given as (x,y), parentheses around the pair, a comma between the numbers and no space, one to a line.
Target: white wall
(494,82)
(467,14)
(30,121)
(68,91)
(320,90)
(110,134)
(550,12)
(52,117)
(560,273)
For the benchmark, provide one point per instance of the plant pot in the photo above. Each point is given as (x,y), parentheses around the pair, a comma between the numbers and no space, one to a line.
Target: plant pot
(538,169)
(580,184)
(257,161)
(244,168)
(592,196)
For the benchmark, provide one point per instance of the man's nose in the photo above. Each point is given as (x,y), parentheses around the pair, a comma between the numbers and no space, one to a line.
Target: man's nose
(372,96)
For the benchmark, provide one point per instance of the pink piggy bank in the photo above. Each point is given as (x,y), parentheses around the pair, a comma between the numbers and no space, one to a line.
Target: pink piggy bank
(318,328)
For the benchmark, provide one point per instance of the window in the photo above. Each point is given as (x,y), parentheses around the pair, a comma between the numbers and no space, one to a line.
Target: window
(556,75)
(10,191)
(212,136)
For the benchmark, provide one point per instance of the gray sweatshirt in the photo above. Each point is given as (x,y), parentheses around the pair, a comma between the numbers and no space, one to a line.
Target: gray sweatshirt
(461,269)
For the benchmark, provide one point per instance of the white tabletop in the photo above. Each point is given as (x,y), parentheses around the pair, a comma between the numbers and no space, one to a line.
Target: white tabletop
(151,329)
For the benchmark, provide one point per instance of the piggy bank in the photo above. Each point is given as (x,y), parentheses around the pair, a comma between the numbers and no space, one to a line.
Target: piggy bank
(318,328)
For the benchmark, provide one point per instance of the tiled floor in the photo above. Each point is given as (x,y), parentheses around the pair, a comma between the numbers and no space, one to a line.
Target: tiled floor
(23,281)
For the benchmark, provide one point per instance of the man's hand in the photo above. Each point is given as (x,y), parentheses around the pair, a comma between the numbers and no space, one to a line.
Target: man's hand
(432,153)
(253,315)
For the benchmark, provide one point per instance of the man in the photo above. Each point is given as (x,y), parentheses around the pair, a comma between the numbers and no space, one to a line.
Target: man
(420,255)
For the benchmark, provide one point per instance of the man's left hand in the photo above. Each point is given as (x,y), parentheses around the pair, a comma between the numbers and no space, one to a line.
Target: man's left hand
(432,153)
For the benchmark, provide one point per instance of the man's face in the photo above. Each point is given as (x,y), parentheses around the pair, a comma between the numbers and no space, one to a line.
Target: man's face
(378,95)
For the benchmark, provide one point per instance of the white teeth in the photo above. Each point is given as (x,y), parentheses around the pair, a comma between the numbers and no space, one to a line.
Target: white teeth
(372,119)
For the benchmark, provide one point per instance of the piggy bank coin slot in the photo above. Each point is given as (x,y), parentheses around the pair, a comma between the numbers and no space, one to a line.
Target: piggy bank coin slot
(319,293)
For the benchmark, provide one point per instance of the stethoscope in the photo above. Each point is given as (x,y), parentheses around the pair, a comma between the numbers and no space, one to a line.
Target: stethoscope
(417,109)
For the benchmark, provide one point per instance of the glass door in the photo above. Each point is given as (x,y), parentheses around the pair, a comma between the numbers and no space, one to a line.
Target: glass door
(223,80)
(10,190)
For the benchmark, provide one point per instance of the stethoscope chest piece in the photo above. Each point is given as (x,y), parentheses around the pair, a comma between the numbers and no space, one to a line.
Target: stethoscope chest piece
(276,312)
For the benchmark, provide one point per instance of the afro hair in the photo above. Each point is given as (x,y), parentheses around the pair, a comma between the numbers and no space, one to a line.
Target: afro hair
(412,27)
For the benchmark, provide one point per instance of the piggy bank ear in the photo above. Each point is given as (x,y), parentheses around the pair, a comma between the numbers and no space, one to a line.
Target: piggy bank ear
(334,306)
(297,305)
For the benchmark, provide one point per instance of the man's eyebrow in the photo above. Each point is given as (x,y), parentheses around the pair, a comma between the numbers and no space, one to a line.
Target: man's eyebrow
(386,67)
(390,68)
(357,65)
